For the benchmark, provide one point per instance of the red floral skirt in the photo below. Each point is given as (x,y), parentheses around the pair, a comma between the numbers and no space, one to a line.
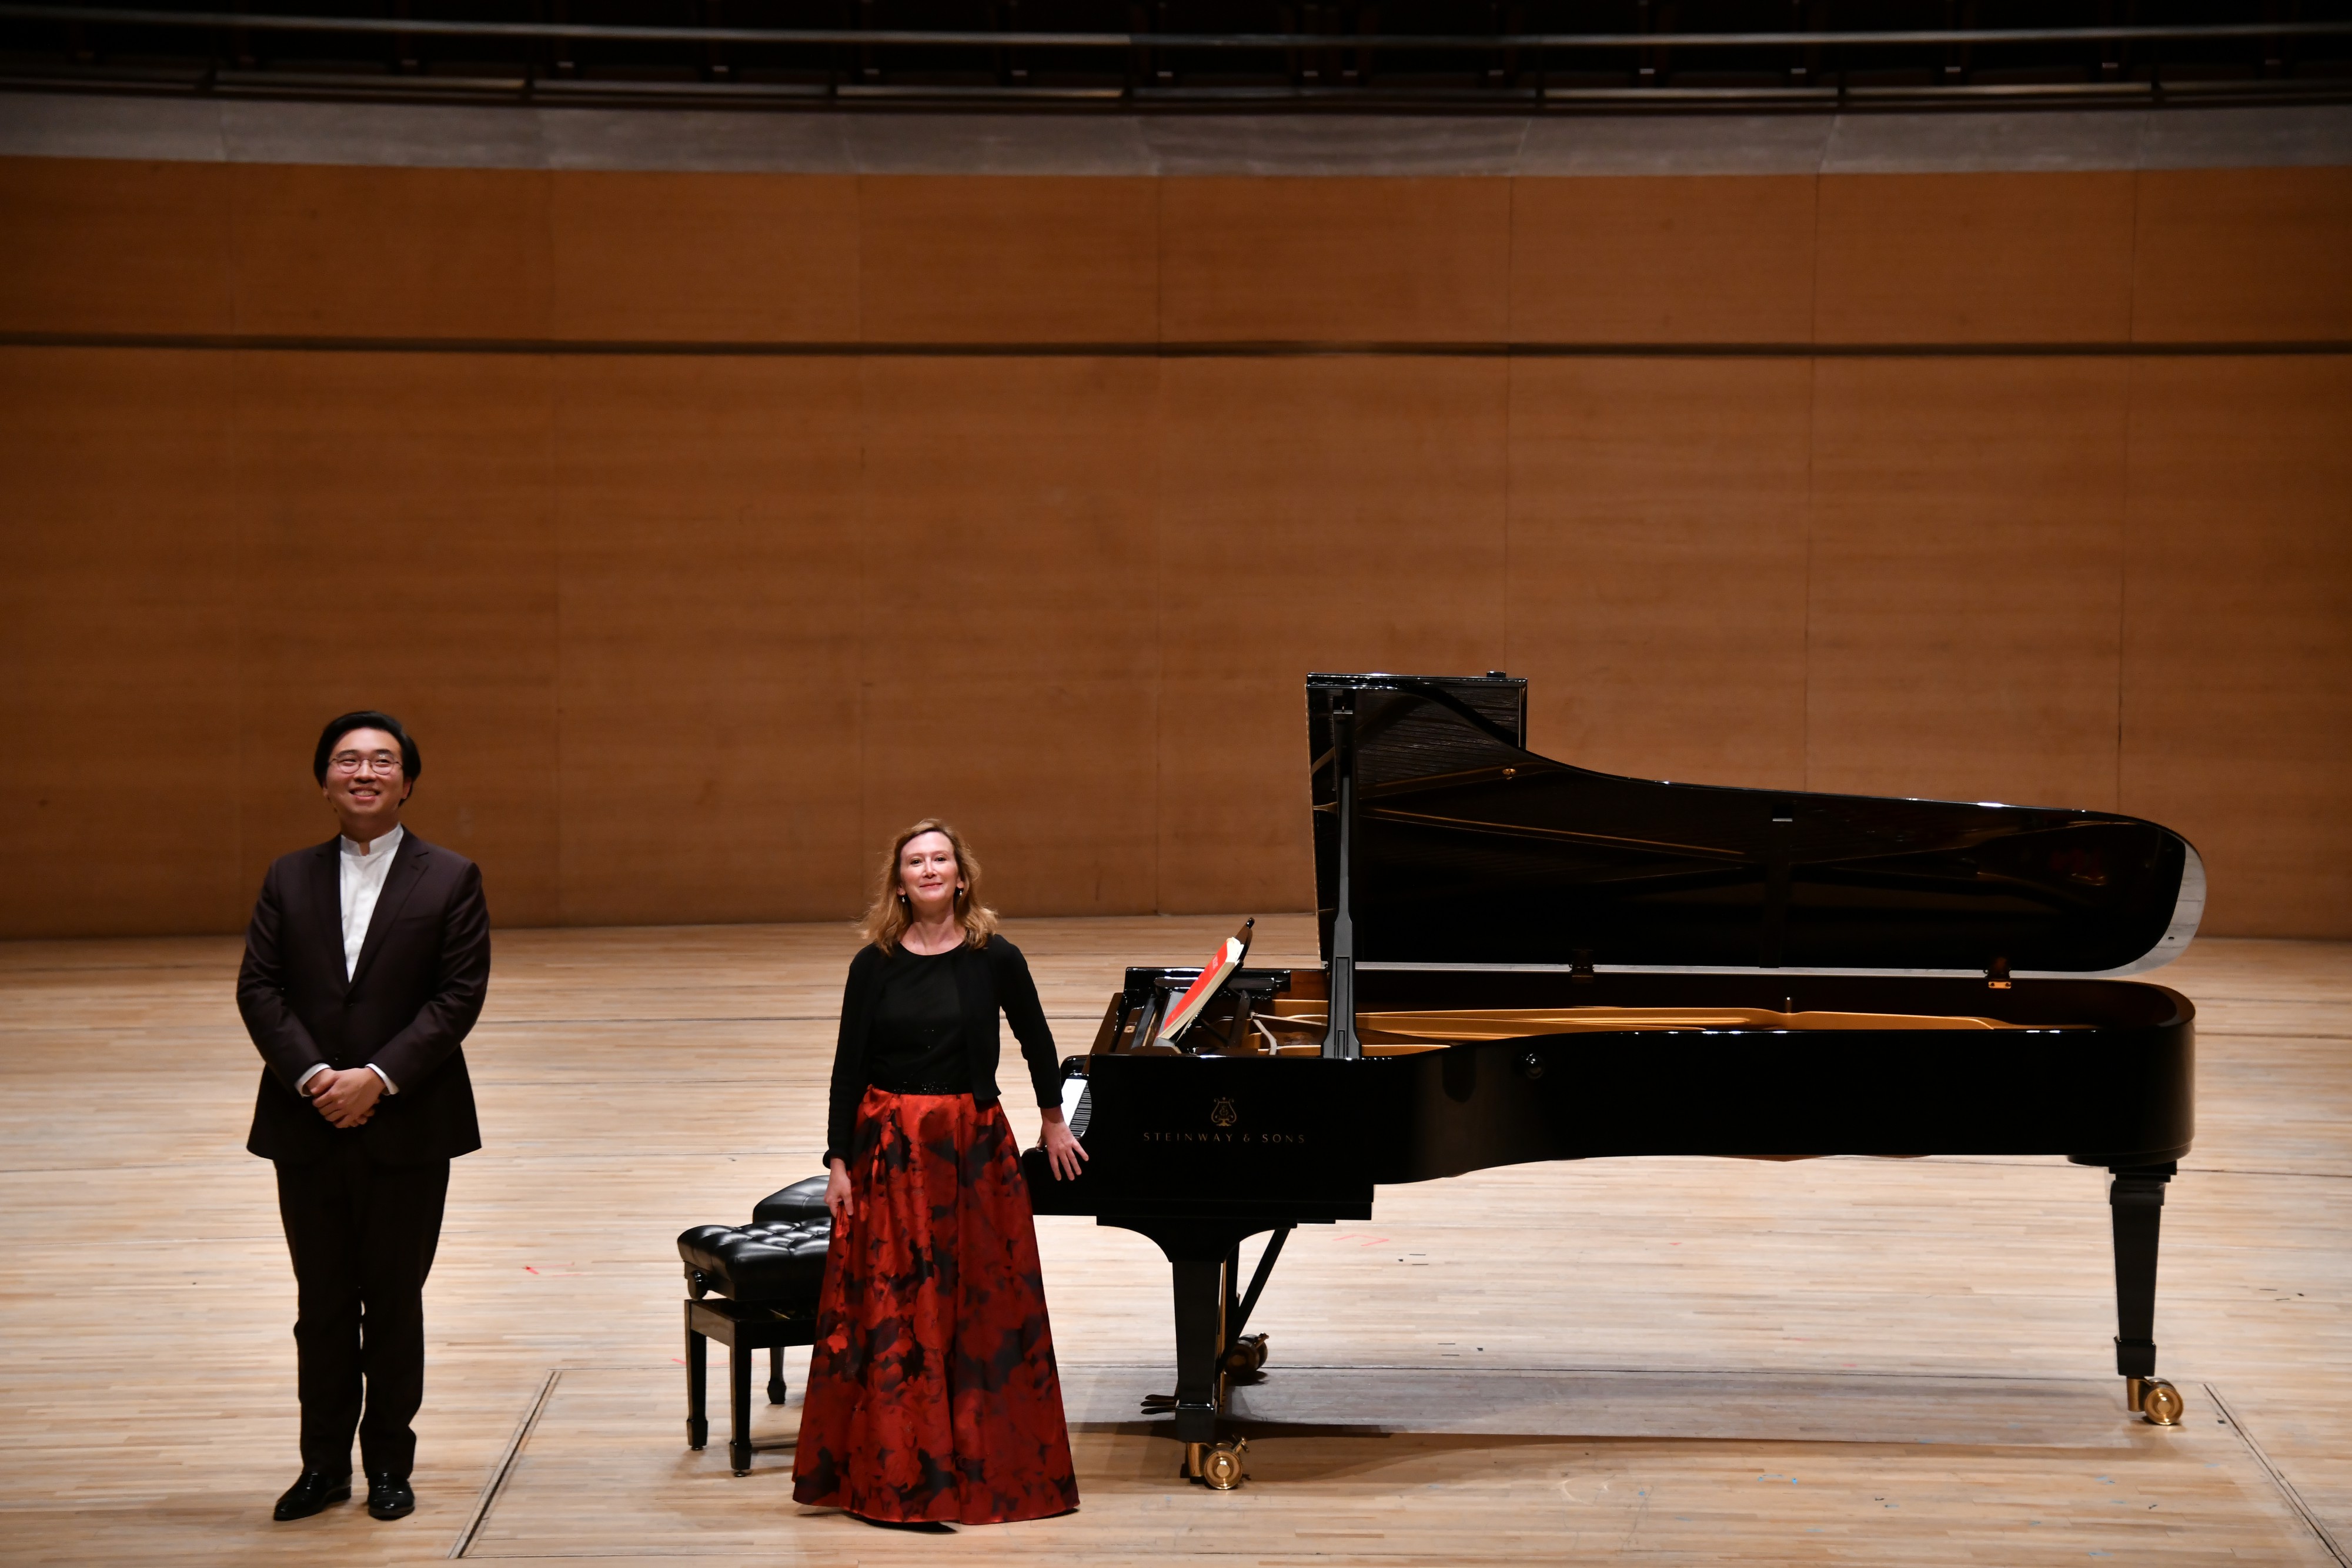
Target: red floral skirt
(932,1393)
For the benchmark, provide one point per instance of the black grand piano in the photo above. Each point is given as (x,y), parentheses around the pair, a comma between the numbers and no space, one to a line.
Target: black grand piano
(1526,961)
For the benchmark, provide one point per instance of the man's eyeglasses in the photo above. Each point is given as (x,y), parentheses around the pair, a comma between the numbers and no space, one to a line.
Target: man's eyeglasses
(357,762)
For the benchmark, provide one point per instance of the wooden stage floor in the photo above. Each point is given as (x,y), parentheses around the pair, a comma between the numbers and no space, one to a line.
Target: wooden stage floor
(1838,1361)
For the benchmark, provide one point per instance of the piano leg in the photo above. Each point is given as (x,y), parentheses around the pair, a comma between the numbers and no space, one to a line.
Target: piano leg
(1200,1340)
(1202,1261)
(2136,1199)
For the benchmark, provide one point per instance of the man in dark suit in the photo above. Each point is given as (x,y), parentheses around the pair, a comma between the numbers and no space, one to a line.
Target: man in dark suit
(364,968)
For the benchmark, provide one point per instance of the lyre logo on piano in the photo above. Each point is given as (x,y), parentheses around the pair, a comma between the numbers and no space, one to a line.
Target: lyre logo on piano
(1223,1114)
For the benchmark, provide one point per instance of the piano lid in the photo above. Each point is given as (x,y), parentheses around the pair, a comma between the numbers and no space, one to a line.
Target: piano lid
(1470,850)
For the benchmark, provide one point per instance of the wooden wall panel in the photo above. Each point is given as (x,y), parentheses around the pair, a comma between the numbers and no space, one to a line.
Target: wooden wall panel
(102,246)
(1291,260)
(397,552)
(953,260)
(2237,711)
(1966,573)
(1333,514)
(1685,259)
(1007,651)
(703,257)
(707,514)
(118,717)
(395,253)
(607,589)
(1657,564)
(1974,258)
(2244,255)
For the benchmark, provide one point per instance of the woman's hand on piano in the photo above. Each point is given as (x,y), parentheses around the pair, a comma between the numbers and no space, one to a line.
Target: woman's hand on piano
(1064,1153)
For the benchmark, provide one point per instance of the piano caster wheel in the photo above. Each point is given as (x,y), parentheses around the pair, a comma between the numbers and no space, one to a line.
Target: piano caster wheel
(2159,1402)
(1246,1356)
(1217,1466)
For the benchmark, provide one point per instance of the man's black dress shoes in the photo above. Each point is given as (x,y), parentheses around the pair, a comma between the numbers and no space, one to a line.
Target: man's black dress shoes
(312,1492)
(389,1497)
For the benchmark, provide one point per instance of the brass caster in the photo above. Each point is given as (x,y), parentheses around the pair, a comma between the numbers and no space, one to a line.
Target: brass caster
(1221,1467)
(2159,1402)
(1246,1356)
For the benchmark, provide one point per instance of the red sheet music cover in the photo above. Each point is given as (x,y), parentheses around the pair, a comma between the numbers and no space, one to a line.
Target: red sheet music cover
(1212,975)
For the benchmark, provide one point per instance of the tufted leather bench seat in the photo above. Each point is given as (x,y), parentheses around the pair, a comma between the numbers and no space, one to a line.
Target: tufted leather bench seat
(780,1263)
(802,1200)
(753,1287)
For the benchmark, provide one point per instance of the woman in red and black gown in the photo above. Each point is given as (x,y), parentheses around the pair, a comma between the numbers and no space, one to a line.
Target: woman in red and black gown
(932,1396)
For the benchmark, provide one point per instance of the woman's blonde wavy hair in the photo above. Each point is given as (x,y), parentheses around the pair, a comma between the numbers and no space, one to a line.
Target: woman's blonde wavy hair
(885,918)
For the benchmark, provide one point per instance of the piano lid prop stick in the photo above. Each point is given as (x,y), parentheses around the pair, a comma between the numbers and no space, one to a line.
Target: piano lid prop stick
(1213,975)
(1339,1038)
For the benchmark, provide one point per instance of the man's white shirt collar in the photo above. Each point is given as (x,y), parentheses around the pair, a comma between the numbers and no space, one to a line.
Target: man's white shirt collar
(384,845)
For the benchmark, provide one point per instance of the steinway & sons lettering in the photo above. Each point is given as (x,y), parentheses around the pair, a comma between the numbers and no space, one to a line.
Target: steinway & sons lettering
(1224,1137)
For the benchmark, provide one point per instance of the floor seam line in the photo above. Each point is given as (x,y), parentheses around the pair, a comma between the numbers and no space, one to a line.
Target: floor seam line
(2286,1487)
(522,1431)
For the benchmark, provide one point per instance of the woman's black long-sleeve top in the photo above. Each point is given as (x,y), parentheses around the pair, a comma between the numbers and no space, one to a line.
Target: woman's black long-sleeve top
(988,979)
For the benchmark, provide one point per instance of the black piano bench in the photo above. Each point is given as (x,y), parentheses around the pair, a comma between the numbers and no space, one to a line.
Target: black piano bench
(753,1287)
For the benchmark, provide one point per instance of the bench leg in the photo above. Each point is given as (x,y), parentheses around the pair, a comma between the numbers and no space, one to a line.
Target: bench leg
(775,1374)
(739,1378)
(697,1376)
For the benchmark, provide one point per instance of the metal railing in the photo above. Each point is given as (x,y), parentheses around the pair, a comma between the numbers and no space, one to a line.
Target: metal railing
(878,38)
(74,44)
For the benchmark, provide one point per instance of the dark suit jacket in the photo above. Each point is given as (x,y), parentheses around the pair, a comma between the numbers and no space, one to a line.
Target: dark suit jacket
(987,981)
(412,997)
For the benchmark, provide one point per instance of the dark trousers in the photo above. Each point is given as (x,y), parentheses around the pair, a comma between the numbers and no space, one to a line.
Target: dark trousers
(362,1236)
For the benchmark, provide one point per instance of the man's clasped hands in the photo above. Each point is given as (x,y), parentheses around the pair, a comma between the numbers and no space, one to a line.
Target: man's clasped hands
(346,1099)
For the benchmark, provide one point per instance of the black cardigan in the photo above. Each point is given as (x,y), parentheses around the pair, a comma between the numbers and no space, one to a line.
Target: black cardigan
(987,979)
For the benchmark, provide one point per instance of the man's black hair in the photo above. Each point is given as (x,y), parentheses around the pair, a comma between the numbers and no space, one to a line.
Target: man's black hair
(411,763)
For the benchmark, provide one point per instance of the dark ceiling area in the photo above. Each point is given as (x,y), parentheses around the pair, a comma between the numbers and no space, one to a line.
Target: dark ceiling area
(1617,56)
